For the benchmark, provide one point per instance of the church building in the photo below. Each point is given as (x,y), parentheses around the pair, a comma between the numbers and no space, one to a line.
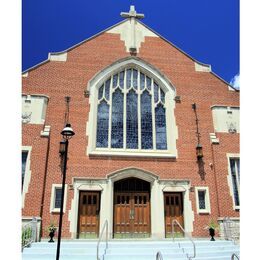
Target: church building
(156,138)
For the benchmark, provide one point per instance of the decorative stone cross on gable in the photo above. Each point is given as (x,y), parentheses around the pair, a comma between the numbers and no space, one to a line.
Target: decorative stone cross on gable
(132,14)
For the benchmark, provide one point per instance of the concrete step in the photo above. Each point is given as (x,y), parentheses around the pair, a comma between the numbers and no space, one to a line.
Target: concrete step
(143,257)
(62,257)
(133,250)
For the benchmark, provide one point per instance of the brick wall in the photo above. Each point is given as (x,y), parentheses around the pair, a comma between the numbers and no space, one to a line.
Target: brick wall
(70,78)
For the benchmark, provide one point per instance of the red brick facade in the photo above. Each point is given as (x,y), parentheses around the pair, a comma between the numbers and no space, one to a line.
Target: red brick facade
(57,79)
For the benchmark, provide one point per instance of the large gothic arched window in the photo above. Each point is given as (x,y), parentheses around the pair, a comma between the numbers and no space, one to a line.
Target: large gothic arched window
(131,112)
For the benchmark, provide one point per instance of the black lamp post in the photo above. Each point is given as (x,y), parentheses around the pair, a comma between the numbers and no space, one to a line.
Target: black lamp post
(199,148)
(67,133)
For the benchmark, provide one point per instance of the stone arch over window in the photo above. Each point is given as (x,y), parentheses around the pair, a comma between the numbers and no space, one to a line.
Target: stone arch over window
(131,111)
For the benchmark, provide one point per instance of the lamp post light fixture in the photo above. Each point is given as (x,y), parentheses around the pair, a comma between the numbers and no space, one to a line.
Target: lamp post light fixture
(199,151)
(67,133)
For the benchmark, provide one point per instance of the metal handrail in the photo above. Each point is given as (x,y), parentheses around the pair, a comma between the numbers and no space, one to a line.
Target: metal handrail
(186,234)
(29,233)
(159,256)
(105,226)
(233,256)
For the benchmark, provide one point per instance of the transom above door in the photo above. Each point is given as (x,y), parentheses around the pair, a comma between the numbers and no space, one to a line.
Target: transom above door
(132,209)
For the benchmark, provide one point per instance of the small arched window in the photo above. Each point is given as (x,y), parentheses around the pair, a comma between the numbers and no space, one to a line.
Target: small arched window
(131,113)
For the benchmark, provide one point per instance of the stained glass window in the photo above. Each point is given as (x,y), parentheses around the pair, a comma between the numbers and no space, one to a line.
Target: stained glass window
(131,121)
(100,92)
(148,83)
(162,96)
(146,121)
(107,89)
(131,112)
(128,78)
(117,119)
(121,79)
(156,94)
(135,74)
(160,126)
(115,79)
(142,81)
(102,124)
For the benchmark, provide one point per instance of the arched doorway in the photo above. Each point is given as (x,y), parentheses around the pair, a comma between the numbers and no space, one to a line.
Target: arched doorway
(132,208)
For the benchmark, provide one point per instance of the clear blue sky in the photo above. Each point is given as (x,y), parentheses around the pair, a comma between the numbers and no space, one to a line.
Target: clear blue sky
(208,30)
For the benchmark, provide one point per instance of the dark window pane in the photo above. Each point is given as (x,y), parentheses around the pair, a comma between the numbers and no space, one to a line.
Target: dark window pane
(131,184)
(142,81)
(146,186)
(84,200)
(146,121)
(148,83)
(128,78)
(117,119)
(107,89)
(24,159)
(232,165)
(156,89)
(162,96)
(202,203)
(235,174)
(235,190)
(100,92)
(89,200)
(115,80)
(160,126)
(135,74)
(238,169)
(95,199)
(131,121)
(57,198)
(102,124)
(121,79)
(125,185)
(138,185)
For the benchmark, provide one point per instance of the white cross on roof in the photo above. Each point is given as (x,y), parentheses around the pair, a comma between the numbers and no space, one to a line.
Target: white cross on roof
(132,13)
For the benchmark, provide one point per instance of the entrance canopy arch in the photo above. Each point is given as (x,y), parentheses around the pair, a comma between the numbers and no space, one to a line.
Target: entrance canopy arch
(134,173)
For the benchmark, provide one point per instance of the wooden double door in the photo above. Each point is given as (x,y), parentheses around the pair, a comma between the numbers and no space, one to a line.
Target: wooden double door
(89,209)
(173,209)
(132,214)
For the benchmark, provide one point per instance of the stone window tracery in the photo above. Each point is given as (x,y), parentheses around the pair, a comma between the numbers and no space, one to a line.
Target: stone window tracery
(131,112)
